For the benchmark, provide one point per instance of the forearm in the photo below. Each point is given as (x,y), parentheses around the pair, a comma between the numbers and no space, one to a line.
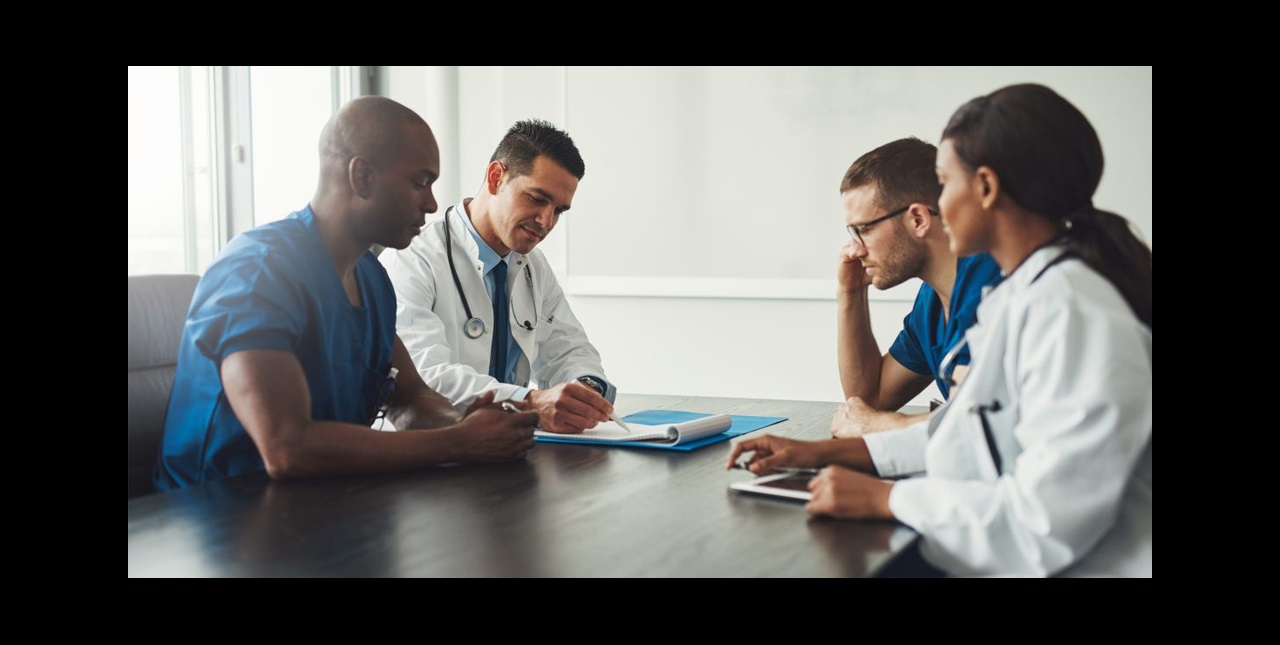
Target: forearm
(424,409)
(566,354)
(415,404)
(850,453)
(858,355)
(894,420)
(331,448)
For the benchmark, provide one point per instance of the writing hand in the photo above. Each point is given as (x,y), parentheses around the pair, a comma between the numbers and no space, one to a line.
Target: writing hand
(569,408)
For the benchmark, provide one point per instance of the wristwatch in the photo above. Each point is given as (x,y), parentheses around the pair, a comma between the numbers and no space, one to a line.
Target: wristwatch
(592,383)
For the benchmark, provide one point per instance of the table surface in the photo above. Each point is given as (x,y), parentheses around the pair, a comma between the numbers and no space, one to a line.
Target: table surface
(565,511)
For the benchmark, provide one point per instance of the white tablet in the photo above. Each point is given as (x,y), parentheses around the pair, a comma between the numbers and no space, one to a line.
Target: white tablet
(788,485)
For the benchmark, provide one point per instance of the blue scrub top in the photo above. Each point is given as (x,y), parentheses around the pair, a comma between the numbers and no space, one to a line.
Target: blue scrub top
(274,287)
(927,335)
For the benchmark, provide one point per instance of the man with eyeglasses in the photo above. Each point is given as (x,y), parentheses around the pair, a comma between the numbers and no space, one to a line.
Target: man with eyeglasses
(890,198)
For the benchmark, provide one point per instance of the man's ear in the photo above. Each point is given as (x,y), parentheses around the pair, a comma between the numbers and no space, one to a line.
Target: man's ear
(493,176)
(919,219)
(360,176)
(988,185)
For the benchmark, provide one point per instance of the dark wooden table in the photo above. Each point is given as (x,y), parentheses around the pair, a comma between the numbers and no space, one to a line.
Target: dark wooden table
(566,511)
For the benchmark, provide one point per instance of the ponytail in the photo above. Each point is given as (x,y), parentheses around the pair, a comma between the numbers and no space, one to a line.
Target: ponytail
(1108,244)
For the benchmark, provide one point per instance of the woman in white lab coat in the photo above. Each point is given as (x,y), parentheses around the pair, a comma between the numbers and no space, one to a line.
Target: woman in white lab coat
(1040,463)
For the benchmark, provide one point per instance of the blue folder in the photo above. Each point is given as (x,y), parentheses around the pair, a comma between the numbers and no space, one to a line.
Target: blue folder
(742,424)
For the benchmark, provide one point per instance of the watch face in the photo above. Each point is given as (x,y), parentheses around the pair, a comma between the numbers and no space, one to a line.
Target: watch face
(591,383)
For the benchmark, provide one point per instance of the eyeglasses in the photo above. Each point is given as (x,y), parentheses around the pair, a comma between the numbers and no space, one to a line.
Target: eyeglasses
(855,230)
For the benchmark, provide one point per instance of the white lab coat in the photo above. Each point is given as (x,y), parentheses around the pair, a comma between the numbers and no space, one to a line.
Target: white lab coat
(1070,366)
(430,317)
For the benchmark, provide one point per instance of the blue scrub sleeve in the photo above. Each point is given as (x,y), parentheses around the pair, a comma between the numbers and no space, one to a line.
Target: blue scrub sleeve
(252,306)
(906,349)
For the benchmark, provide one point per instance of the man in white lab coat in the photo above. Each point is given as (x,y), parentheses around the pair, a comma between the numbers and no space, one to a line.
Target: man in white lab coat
(479,308)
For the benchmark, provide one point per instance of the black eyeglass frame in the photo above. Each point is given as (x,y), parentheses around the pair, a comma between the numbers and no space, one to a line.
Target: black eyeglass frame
(855,230)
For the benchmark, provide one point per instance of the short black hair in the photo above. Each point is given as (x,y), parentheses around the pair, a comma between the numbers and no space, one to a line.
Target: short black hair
(528,139)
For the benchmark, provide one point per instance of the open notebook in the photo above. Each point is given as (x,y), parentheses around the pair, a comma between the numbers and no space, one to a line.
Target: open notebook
(659,424)
(669,434)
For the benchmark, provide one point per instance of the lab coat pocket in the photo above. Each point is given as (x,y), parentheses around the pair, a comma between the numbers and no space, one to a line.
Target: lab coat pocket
(545,326)
(547,320)
(958,451)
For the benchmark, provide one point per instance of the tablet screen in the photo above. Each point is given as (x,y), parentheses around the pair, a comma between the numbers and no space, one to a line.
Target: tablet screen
(794,482)
(792,486)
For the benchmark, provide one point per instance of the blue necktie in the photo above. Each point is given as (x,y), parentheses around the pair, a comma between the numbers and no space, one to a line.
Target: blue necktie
(501,328)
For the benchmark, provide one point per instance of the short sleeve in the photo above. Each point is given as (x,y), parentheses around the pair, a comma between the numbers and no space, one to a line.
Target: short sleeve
(908,348)
(251,300)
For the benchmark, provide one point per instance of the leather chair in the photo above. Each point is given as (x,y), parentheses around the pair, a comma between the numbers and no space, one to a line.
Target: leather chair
(157,311)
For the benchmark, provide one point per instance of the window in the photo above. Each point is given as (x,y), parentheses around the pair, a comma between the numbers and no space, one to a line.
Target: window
(170,195)
(214,151)
(289,107)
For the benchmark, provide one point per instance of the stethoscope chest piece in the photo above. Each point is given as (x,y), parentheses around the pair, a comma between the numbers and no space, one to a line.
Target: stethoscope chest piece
(474,327)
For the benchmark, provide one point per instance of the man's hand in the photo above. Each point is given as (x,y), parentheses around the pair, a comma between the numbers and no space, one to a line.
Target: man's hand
(481,401)
(850,274)
(493,434)
(569,408)
(856,418)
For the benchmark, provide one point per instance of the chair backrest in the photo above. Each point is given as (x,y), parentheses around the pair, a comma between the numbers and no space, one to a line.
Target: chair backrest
(157,311)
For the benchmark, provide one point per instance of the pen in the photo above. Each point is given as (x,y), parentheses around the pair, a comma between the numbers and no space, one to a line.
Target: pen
(613,416)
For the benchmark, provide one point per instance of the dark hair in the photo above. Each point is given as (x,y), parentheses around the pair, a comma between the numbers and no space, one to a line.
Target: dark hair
(1049,161)
(528,139)
(901,171)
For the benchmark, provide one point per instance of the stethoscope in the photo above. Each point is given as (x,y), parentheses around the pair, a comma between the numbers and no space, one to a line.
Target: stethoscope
(947,367)
(474,327)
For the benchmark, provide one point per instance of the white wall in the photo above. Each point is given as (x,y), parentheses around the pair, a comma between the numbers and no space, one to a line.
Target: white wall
(692,172)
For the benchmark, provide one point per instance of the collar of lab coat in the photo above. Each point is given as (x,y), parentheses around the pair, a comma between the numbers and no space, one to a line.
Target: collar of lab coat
(460,230)
(1026,273)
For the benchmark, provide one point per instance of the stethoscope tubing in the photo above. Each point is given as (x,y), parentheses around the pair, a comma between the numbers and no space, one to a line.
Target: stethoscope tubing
(474,327)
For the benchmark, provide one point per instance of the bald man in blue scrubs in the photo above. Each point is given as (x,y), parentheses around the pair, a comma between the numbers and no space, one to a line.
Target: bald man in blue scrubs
(289,353)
